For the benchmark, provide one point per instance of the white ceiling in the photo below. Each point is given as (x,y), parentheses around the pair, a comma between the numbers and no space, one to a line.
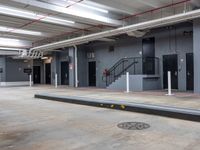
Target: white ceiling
(37,20)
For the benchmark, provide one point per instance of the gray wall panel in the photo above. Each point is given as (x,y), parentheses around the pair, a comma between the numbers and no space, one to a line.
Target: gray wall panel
(166,42)
(15,70)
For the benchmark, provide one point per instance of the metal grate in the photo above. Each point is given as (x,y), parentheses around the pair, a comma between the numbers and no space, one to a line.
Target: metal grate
(133,125)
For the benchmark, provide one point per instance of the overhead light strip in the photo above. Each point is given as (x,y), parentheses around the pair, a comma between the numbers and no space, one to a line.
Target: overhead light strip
(90,7)
(5,42)
(11,49)
(30,15)
(20,31)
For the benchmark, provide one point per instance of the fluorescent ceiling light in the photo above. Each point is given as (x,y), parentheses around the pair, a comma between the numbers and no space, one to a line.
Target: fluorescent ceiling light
(57,20)
(31,15)
(94,8)
(20,31)
(7,42)
(11,49)
(90,7)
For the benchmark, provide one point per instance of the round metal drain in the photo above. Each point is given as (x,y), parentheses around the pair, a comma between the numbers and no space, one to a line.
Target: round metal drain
(133,125)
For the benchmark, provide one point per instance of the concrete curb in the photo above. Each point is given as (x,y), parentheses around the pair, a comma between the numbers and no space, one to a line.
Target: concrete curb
(172,112)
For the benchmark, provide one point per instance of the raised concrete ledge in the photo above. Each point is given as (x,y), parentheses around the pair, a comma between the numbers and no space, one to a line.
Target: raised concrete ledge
(17,83)
(173,112)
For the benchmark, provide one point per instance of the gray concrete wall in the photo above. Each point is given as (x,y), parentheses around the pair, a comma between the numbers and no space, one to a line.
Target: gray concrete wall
(137,83)
(165,43)
(3,66)
(15,69)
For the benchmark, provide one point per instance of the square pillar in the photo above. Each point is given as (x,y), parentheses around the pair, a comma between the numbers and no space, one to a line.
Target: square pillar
(72,67)
(196,51)
(54,67)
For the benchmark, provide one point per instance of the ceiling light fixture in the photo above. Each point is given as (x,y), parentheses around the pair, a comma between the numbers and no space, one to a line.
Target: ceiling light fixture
(90,7)
(54,20)
(31,15)
(11,42)
(11,49)
(20,31)
(94,8)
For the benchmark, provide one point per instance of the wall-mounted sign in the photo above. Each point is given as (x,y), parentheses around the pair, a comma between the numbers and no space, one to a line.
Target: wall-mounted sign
(28,70)
(1,70)
(90,55)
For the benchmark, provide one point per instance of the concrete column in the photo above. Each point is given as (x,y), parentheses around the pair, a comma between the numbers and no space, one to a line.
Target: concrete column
(196,51)
(54,68)
(71,67)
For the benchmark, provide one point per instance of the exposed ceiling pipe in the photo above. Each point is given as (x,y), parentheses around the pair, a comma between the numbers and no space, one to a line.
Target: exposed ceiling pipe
(123,18)
(11,49)
(140,26)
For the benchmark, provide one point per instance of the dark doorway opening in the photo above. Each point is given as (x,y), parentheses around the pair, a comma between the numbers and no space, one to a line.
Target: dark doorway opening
(64,73)
(92,73)
(170,63)
(190,71)
(148,55)
(48,73)
(36,74)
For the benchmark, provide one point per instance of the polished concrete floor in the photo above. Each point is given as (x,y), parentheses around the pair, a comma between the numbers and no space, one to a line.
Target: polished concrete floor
(34,124)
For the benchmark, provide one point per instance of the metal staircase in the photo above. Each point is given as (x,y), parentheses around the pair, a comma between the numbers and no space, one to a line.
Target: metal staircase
(133,65)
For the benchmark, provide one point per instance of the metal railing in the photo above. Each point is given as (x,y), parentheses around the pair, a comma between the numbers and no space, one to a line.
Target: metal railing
(133,65)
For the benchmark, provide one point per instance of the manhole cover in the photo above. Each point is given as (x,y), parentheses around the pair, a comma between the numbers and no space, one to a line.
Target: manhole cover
(133,125)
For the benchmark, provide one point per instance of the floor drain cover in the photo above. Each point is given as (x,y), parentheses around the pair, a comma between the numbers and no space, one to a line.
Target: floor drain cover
(133,125)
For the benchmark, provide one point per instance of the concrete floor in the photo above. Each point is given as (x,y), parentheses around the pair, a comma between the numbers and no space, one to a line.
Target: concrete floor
(33,124)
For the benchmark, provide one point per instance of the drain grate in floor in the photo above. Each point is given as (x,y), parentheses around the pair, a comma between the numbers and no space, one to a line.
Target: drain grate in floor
(133,125)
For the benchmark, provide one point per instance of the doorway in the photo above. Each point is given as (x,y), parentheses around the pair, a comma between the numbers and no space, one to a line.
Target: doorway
(92,73)
(190,71)
(48,73)
(170,63)
(148,55)
(64,73)
(36,74)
